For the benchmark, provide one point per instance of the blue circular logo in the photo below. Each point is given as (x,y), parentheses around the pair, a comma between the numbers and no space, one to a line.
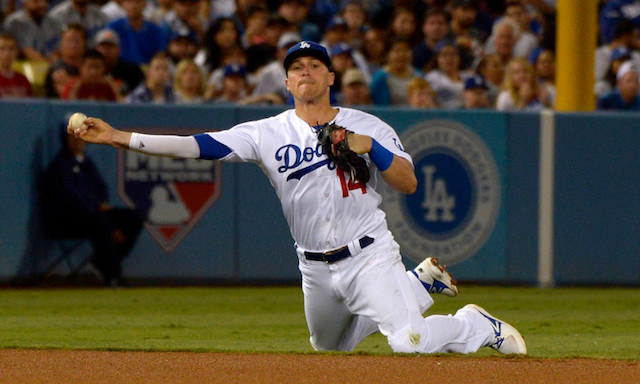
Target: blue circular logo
(446,198)
(455,207)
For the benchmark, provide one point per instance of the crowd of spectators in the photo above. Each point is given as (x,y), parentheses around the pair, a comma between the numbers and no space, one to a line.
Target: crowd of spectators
(449,54)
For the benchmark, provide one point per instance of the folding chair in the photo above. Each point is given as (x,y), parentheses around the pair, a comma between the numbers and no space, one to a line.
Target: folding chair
(72,256)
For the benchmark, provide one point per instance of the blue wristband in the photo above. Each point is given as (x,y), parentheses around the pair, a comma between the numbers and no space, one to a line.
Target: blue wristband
(380,155)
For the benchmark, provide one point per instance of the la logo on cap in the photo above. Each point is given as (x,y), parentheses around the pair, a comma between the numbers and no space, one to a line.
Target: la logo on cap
(304,44)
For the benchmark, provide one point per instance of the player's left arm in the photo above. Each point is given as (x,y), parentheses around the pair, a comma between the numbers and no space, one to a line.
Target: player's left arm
(396,171)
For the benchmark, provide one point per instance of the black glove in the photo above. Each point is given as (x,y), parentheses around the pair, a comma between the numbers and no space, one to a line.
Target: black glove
(333,139)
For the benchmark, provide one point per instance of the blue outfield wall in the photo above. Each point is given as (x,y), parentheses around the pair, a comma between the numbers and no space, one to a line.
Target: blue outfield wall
(476,208)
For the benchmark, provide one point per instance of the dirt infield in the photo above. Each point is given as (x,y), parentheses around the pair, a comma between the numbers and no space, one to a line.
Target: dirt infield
(58,366)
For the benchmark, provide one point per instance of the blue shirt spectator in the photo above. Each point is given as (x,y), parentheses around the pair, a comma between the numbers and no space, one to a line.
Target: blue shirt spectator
(140,39)
(614,11)
(614,101)
(625,96)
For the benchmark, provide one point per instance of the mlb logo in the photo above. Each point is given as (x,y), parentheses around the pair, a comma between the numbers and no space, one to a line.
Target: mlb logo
(171,194)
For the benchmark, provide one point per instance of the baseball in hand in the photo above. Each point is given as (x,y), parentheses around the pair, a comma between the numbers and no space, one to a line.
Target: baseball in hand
(76,121)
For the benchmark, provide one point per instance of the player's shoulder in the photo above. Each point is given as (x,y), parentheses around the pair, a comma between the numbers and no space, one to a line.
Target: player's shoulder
(271,122)
(356,114)
(353,118)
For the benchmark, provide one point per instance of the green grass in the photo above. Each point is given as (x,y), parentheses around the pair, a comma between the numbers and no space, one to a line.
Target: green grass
(561,322)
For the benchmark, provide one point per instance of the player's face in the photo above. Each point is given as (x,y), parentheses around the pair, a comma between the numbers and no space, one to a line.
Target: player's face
(308,79)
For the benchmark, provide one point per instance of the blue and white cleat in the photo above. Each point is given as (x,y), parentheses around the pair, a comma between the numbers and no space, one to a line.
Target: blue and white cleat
(435,277)
(507,339)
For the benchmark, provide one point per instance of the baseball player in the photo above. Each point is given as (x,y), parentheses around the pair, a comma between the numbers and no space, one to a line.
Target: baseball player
(353,280)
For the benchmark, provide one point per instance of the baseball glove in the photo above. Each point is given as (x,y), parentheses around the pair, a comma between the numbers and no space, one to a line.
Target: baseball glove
(335,144)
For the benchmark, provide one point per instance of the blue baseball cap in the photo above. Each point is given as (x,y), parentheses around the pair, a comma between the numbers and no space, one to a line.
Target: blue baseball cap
(444,43)
(340,48)
(307,48)
(621,52)
(235,69)
(475,81)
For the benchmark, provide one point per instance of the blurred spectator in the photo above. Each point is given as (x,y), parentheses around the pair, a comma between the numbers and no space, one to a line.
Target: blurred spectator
(355,18)
(115,10)
(625,37)
(182,47)
(527,41)
(491,68)
(475,93)
(614,11)
(222,35)
(322,11)
(276,27)
(35,30)
(341,61)
(126,76)
(544,65)
(72,48)
(420,94)
(234,84)
(73,43)
(160,11)
(468,38)
(503,39)
(618,56)
(156,88)
(389,84)
(140,39)
(625,95)
(435,28)
(445,76)
(354,88)
(233,55)
(374,49)
(75,205)
(270,87)
(184,20)
(296,12)
(223,8)
(56,82)
(257,21)
(335,33)
(259,57)
(188,83)
(13,85)
(92,83)
(81,12)
(404,25)
(520,90)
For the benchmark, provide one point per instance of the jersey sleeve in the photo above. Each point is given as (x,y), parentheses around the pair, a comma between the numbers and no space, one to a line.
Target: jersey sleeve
(388,138)
(241,143)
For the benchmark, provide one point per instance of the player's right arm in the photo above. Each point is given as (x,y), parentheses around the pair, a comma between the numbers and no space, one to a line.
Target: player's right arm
(200,146)
(100,132)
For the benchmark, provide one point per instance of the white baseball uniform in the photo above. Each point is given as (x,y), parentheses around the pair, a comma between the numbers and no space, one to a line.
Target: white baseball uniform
(347,300)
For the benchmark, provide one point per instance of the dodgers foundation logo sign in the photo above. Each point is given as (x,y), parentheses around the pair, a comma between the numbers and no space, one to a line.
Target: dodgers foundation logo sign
(455,207)
(172,194)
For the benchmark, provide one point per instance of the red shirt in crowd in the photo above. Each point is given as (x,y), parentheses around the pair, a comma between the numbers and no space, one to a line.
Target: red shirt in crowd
(97,91)
(14,86)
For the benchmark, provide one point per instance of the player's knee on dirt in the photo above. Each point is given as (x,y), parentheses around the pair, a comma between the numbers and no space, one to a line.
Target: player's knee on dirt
(406,341)
(324,345)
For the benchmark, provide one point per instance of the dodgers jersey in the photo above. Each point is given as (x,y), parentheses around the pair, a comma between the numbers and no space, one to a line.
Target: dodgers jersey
(324,208)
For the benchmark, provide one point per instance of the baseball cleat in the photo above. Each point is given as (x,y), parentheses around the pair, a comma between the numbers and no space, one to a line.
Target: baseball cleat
(507,339)
(435,277)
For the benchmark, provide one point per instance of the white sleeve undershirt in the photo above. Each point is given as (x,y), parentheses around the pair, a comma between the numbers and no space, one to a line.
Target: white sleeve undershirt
(165,145)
